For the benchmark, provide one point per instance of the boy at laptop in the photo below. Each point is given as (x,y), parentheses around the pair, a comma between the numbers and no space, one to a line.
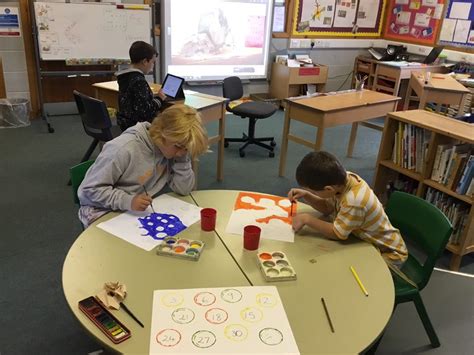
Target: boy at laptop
(136,101)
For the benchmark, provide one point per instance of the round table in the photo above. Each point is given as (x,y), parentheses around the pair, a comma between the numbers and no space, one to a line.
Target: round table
(322,267)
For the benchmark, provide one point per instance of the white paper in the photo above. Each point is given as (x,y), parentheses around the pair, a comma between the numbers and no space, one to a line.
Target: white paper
(429,3)
(345,15)
(128,227)
(460,10)
(234,320)
(462,31)
(401,2)
(447,30)
(367,13)
(422,20)
(403,18)
(278,19)
(319,14)
(471,37)
(270,213)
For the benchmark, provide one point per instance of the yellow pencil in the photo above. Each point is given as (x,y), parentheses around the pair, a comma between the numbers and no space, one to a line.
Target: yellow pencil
(358,281)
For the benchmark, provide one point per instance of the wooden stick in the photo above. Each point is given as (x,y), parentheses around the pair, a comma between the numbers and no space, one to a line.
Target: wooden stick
(327,314)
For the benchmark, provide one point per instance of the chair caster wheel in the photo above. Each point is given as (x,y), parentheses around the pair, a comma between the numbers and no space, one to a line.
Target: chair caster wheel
(226,144)
(271,154)
(241,153)
(273,143)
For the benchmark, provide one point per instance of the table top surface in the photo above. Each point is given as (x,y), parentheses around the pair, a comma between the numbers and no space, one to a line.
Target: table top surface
(322,267)
(444,82)
(344,100)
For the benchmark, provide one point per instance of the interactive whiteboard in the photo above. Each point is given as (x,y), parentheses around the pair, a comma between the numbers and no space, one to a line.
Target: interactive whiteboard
(88,30)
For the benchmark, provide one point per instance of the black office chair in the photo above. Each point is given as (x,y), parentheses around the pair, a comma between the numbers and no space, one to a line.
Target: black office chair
(253,110)
(95,120)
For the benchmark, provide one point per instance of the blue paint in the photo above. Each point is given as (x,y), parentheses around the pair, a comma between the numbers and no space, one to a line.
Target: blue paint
(161,223)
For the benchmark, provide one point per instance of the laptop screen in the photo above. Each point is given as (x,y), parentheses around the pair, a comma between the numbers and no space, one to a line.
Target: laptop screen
(172,85)
(431,57)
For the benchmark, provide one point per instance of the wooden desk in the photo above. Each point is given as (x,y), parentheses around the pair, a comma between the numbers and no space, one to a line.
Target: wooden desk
(322,267)
(211,108)
(330,111)
(441,89)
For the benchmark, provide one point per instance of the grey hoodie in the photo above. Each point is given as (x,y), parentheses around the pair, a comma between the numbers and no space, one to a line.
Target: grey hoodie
(125,164)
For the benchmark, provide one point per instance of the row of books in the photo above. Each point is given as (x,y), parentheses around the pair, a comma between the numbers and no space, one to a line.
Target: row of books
(410,146)
(454,167)
(453,110)
(457,212)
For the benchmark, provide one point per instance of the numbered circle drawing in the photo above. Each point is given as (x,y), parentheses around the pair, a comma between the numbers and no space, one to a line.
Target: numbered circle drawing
(270,336)
(216,316)
(204,298)
(231,295)
(183,315)
(172,300)
(251,314)
(266,300)
(236,332)
(168,337)
(203,339)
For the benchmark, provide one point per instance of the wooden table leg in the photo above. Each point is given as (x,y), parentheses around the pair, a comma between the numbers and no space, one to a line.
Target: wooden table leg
(284,140)
(462,105)
(220,149)
(319,138)
(350,147)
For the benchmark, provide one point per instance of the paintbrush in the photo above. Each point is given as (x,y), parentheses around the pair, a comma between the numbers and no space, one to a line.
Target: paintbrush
(151,204)
(125,308)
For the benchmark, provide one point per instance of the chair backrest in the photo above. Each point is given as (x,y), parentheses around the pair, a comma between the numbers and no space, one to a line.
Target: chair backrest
(95,117)
(422,224)
(232,88)
(77,174)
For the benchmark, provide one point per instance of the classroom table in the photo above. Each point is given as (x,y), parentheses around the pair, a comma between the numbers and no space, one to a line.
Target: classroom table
(322,268)
(211,108)
(330,111)
(441,89)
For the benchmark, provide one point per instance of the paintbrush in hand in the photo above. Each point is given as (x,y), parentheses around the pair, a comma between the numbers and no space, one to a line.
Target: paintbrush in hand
(151,204)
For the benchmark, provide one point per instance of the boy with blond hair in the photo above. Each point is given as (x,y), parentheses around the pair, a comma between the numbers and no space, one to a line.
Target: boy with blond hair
(141,161)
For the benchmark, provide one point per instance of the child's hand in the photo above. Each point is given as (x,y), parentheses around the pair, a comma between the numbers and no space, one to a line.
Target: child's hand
(161,95)
(141,202)
(299,221)
(295,194)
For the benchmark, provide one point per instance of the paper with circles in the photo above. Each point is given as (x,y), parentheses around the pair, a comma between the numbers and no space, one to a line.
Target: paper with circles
(146,229)
(227,320)
(271,213)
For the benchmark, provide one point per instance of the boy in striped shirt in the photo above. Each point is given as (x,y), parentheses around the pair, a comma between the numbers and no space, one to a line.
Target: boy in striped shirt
(328,188)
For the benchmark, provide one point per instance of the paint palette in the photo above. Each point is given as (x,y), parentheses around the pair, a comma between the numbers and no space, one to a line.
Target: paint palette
(181,248)
(275,266)
(104,320)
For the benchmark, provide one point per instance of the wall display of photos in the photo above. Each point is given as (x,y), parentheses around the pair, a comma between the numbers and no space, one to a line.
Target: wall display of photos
(458,24)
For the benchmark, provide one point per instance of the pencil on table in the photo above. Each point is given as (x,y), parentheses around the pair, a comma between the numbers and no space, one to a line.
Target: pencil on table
(359,282)
(327,315)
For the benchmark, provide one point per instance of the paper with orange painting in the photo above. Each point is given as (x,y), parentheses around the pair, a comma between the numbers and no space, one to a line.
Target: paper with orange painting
(271,213)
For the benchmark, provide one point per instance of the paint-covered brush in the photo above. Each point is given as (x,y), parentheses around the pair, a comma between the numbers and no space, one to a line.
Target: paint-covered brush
(151,204)
(291,208)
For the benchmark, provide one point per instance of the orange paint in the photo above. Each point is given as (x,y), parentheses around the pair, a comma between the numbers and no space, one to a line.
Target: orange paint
(179,249)
(265,256)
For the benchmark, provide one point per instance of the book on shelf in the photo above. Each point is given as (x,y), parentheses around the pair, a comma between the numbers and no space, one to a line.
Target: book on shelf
(466,176)
(410,146)
(457,167)
(435,172)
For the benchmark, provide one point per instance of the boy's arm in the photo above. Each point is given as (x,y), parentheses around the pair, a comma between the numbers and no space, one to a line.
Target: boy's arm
(323,227)
(181,178)
(320,204)
(144,101)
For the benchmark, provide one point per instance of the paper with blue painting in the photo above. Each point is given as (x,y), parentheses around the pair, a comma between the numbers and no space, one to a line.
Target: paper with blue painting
(146,229)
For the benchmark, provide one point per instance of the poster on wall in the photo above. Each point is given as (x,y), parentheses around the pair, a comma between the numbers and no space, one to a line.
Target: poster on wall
(9,22)
(415,21)
(458,24)
(338,18)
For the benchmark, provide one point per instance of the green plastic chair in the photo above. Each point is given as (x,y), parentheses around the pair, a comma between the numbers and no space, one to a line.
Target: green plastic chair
(77,174)
(427,228)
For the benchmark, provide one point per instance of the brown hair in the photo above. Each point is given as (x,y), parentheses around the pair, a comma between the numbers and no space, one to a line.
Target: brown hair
(140,50)
(320,169)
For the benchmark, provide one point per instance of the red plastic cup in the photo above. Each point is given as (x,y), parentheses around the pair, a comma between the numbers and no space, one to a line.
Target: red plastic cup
(251,237)
(208,219)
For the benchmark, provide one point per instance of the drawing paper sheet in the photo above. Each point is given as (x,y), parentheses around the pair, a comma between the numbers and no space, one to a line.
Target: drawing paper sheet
(270,213)
(447,30)
(345,13)
(319,13)
(367,13)
(460,10)
(129,226)
(234,320)
(462,31)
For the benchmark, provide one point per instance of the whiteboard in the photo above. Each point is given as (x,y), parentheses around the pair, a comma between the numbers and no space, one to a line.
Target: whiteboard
(90,30)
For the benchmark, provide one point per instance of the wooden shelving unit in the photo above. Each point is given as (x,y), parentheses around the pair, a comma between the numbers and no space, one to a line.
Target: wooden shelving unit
(443,130)
(364,66)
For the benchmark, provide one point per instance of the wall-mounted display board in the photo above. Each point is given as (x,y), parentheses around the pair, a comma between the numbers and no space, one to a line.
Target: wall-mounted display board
(415,21)
(338,18)
(457,29)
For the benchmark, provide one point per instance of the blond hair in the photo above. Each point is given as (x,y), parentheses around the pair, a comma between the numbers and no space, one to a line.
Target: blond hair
(180,124)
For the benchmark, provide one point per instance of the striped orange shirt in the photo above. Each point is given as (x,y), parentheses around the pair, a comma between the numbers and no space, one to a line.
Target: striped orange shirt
(360,212)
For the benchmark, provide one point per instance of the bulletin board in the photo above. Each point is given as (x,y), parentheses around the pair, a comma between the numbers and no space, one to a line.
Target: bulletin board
(338,18)
(457,29)
(415,21)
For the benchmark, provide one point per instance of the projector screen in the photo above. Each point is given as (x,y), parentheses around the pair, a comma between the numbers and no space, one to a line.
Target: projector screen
(213,39)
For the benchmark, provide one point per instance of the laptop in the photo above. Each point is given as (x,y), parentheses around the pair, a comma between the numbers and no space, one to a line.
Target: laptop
(172,87)
(430,58)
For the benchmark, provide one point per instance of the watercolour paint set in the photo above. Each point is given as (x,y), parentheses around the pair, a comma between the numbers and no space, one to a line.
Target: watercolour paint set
(181,248)
(104,320)
(275,266)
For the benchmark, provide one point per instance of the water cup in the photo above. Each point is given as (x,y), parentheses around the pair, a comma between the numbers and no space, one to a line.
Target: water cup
(251,237)
(208,219)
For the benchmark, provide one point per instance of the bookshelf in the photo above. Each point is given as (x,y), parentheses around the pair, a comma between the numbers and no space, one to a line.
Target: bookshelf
(397,169)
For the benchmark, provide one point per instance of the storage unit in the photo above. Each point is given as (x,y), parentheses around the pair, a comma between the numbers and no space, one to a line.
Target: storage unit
(437,130)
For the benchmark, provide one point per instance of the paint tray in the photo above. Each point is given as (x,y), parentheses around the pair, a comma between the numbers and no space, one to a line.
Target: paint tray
(275,266)
(181,248)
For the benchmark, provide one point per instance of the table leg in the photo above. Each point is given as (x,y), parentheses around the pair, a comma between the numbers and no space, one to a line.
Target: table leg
(284,140)
(350,147)
(406,104)
(220,149)
(422,104)
(462,105)
(319,138)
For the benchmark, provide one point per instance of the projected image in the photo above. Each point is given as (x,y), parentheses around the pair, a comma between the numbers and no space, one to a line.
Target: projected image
(220,37)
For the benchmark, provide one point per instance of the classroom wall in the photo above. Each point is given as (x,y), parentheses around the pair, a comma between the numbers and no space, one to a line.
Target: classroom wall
(12,52)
